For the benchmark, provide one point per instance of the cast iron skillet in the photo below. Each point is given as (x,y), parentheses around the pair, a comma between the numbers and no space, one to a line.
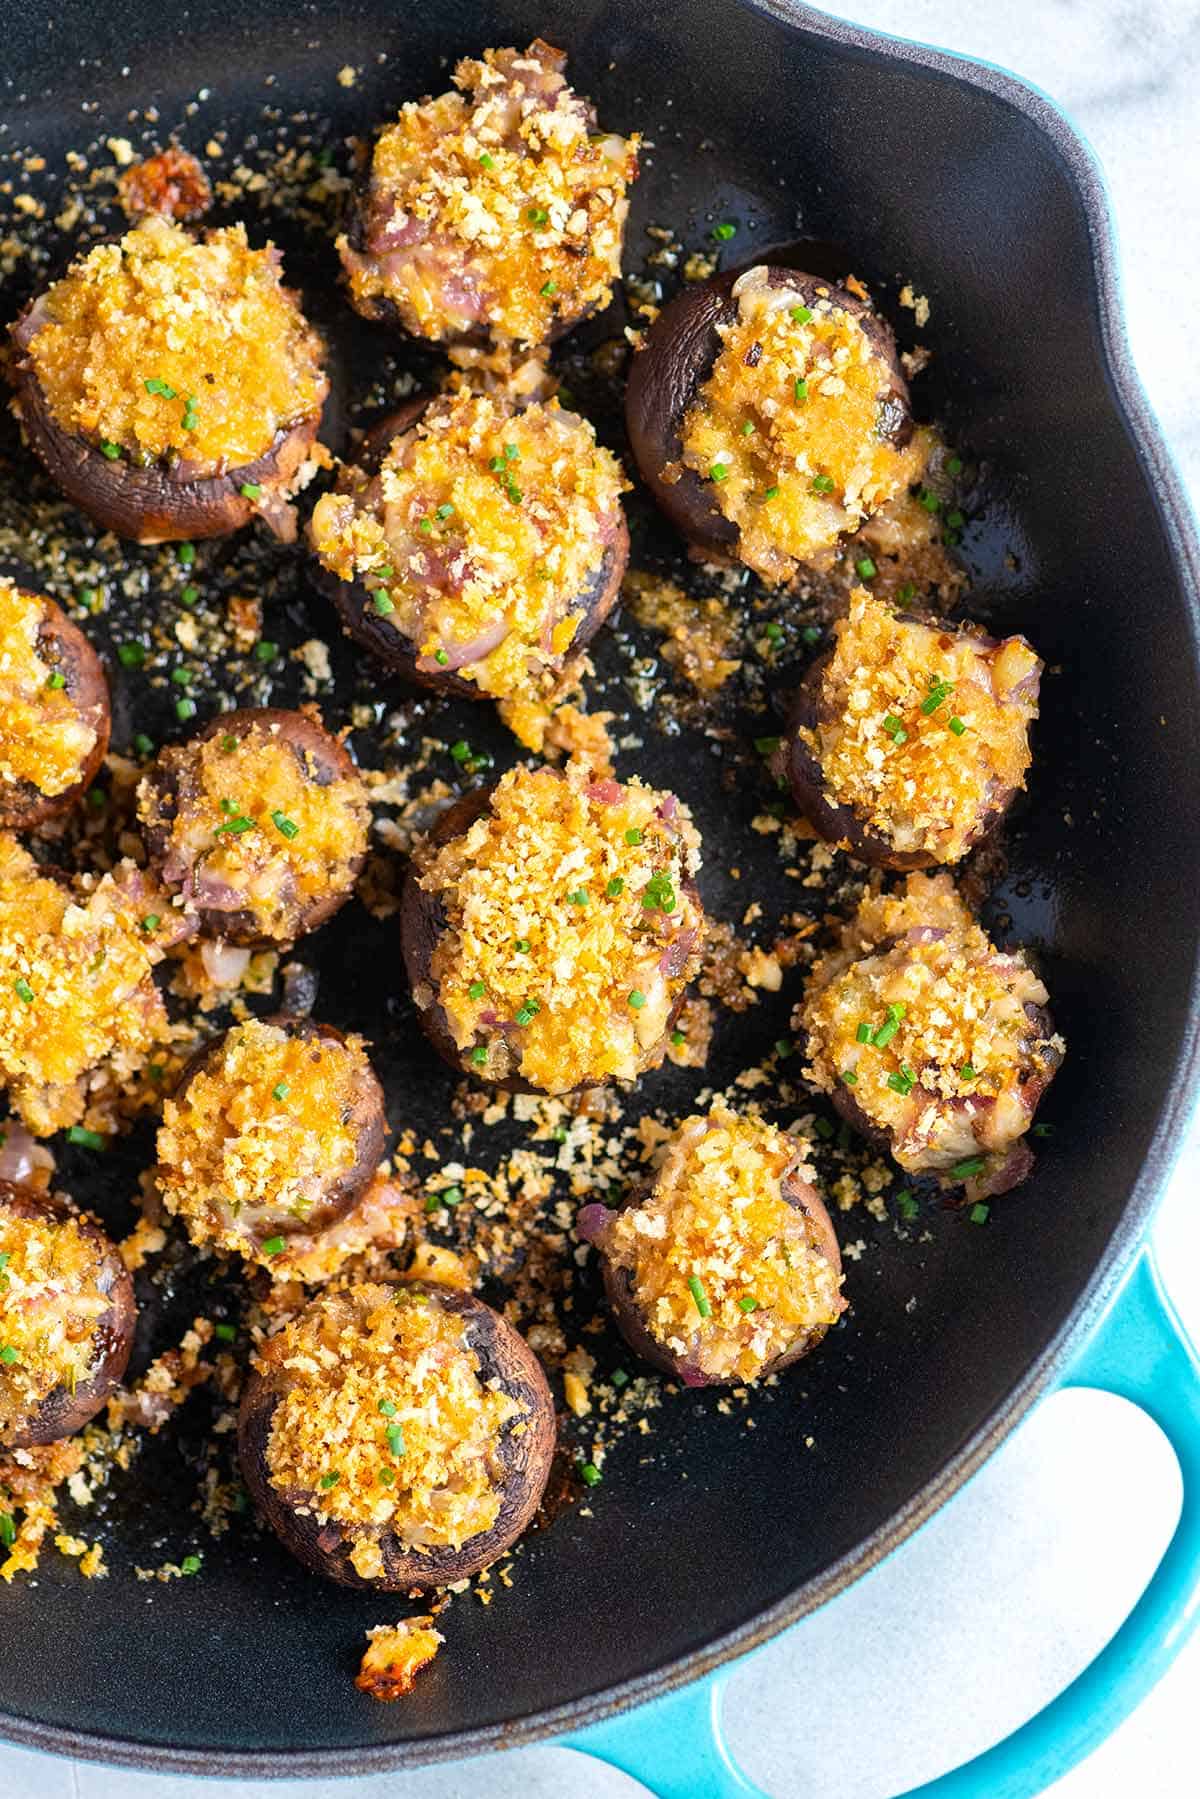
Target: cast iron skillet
(972,187)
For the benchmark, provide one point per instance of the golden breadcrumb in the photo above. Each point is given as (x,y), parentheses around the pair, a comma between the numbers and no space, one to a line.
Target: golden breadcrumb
(395,1655)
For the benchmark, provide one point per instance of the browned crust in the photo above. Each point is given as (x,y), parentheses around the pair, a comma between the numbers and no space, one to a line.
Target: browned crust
(312,745)
(63,1412)
(367,1119)
(622,1299)
(422,921)
(64,646)
(526,1456)
(153,505)
(841,824)
(396,652)
(677,357)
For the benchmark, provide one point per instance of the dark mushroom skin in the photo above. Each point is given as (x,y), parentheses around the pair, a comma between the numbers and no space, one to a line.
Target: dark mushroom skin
(63,1412)
(314,749)
(156,504)
(526,1455)
(396,652)
(65,648)
(680,349)
(367,1119)
(422,922)
(622,1297)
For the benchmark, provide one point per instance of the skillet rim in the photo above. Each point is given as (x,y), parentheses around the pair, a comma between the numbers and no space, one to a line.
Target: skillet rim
(1133,409)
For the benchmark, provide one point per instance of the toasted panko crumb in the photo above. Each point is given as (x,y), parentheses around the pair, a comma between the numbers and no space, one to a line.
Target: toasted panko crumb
(384,1422)
(809,382)
(697,634)
(395,1655)
(571,927)
(922,731)
(161,306)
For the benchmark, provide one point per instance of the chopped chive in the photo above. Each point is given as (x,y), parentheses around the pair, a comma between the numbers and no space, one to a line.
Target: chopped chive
(234,827)
(86,1139)
(384,606)
(110,450)
(479,1055)
(905,593)
(578,897)
(528,1012)
(589,1474)
(395,1439)
(186,553)
(451,1196)
(521,945)
(190,1564)
(979,1213)
(329,1480)
(784,1047)
(488,162)
(23,990)
(56,679)
(801,314)
(265,651)
(678,1037)
(251,490)
(388,1408)
(1043,1130)
(954,465)
(848,1077)
(460,751)
(477,990)
(633,835)
(966,1072)
(957,726)
(151,921)
(747,1305)
(615,888)
(800,389)
(718,471)
(155,386)
(906,1203)
(724,231)
(811,634)
(902,1082)
(441,658)
(748,428)
(143,745)
(766,746)
(273,1246)
(97,799)
(182,677)
(386,1477)
(773,631)
(229,743)
(287,827)
(537,215)
(637,999)
(895,729)
(8,1355)
(866,568)
(939,693)
(226,1332)
(822,484)
(698,1297)
(619,1378)
(189,596)
(8,1529)
(930,501)
(770,492)
(963,1171)
(549,290)
(188,421)
(426,524)
(863,1033)
(955,520)
(445,511)
(824,1129)
(280,1090)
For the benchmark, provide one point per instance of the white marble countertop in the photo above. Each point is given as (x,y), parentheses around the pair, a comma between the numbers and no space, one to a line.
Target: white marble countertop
(1013,1587)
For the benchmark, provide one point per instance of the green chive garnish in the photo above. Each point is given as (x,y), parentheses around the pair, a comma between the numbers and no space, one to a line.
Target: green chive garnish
(86,1139)
(589,1474)
(698,1296)
(849,1078)
(963,1171)
(979,1213)
(112,451)
(718,471)
(477,990)
(56,679)
(329,1480)
(155,386)
(615,887)
(273,1246)
(549,290)
(957,726)
(800,390)
(747,1305)
(185,709)
(266,651)
(395,1439)
(151,921)
(226,1332)
(866,568)
(479,1055)
(287,827)
(23,990)
(131,655)
(633,835)
(186,554)
(724,231)
(250,490)
(382,604)
(280,1090)
(822,484)
(637,999)
(801,314)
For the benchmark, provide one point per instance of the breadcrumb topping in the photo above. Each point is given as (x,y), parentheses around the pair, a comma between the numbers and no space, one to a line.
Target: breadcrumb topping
(570,929)
(51,1301)
(726,1274)
(810,385)
(261,1132)
(395,1655)
(935,1031)
(254,820)
(385,1423)
(165,345)
(44,738)
(75,984)
(922,731)
(480,536)
(498,206)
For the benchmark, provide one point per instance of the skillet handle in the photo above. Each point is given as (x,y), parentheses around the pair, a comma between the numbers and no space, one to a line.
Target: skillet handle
(1140,1351)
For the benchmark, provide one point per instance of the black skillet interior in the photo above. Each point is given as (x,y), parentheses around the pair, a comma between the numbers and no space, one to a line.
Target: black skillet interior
(920,176)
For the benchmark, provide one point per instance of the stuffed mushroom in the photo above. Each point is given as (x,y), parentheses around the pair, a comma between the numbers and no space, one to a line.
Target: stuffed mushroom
(907,740)
(550,927)
(768,415)
(274,1130)
(397,1436)
(478,545)
(493,213)
(78,991)
(67,1316)
(260,825)
(931,1041)
(171,385)
(724,1267)
(54,709)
